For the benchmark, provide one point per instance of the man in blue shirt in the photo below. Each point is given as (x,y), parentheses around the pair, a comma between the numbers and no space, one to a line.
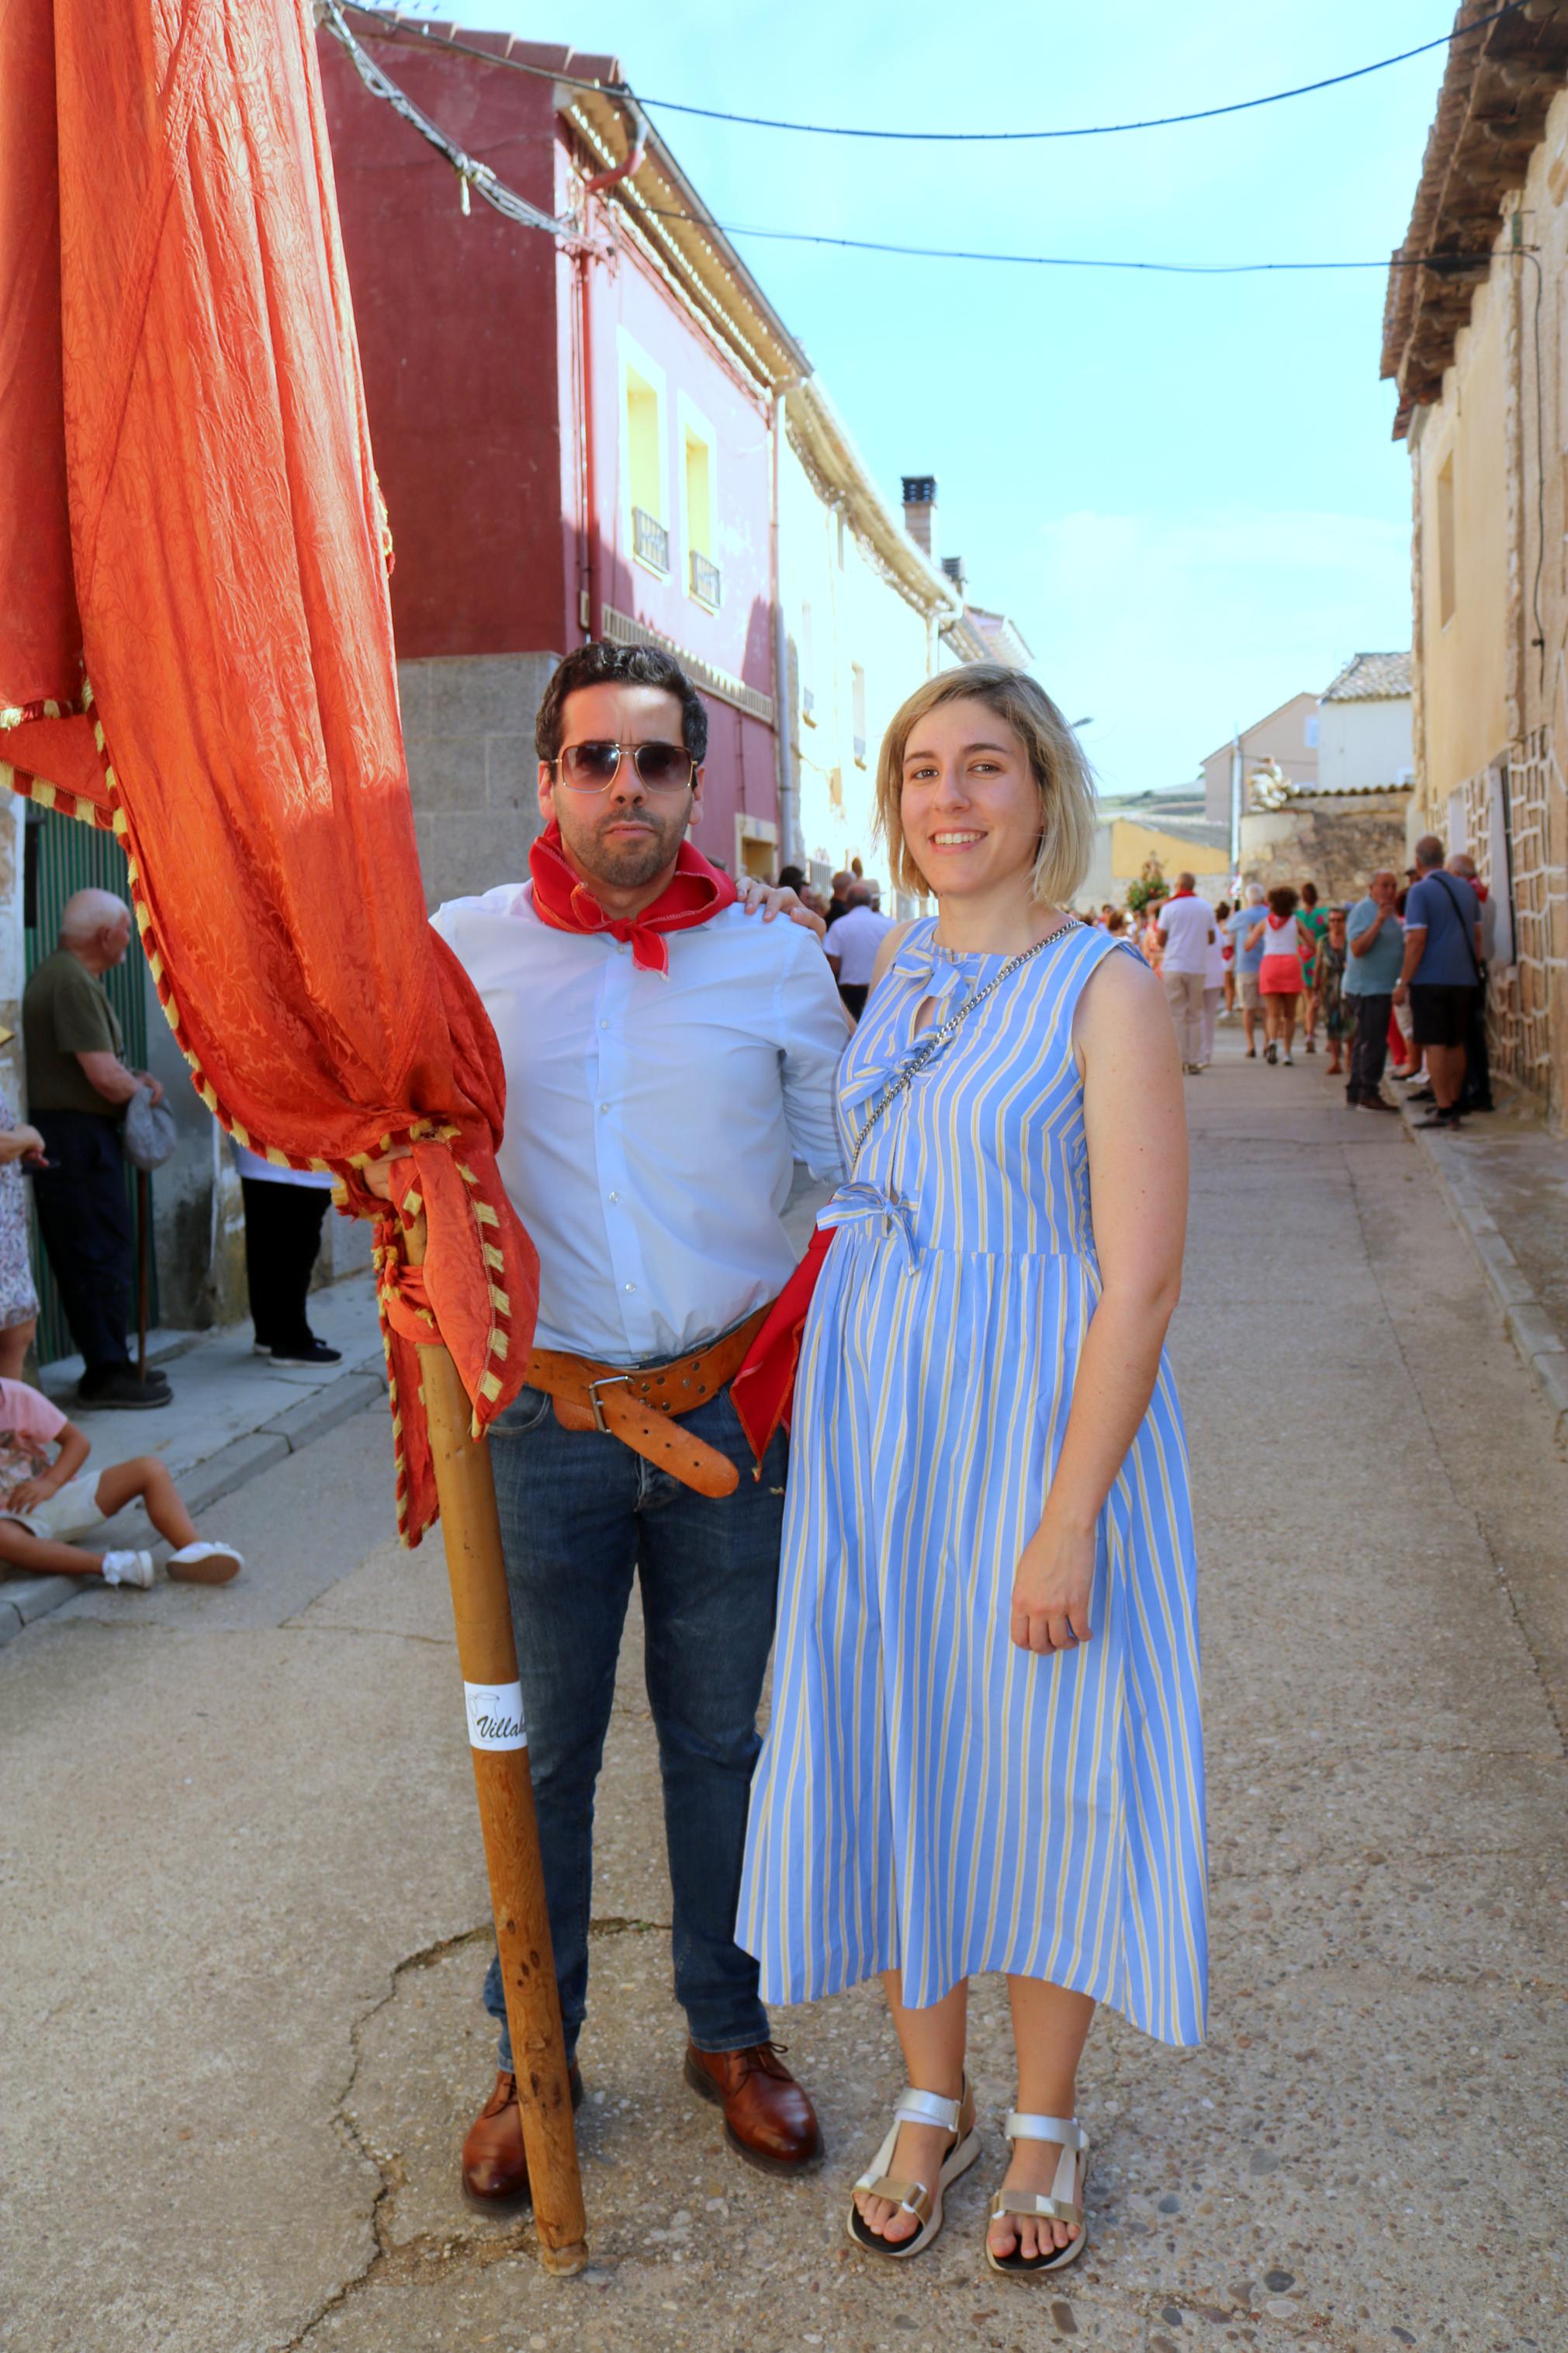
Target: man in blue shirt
(1248,961)
(1376,947)
(1441,973)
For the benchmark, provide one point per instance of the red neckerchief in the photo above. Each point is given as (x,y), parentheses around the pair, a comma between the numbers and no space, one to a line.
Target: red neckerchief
(694,893)
(1180,894)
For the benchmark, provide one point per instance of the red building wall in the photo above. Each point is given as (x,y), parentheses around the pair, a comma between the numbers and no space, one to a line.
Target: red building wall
(457,329)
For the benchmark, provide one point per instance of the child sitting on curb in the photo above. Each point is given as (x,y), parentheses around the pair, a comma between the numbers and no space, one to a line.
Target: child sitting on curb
(45,1504)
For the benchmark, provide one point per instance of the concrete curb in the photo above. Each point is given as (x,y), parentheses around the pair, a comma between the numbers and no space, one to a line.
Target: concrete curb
(1530,1327)
(25,1599)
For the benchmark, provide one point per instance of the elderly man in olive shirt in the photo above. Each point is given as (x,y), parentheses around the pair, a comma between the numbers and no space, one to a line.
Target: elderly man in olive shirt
(78,1087)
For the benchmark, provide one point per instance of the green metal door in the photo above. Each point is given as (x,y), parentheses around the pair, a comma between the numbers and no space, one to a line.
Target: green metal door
(64,855)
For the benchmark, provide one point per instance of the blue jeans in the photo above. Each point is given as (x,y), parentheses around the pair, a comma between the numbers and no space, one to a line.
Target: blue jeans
(581,1515)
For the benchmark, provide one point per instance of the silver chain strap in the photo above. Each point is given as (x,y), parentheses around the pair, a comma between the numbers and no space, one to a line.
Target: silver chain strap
(938,1038)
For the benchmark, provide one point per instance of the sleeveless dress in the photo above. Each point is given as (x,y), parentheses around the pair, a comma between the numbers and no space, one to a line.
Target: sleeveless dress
(930,1796)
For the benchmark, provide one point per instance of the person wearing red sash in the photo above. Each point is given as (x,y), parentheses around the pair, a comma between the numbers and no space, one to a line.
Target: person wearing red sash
(665,1062)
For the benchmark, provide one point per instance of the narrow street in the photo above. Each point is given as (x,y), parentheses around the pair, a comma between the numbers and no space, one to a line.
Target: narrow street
(240,2033)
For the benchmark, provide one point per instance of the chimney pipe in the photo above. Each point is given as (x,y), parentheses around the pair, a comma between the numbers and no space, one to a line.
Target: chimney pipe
(919,512)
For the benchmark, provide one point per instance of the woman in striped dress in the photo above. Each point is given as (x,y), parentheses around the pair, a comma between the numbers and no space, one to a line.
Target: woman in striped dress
(986,1750)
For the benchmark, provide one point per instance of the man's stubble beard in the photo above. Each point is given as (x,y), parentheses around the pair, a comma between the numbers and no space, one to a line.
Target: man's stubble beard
(628,865)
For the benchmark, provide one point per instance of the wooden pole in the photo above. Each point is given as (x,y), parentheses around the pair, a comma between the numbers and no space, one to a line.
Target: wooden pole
(487,1659)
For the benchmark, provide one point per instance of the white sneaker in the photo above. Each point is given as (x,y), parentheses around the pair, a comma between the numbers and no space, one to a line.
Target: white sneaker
(128,1569)
(205,1564)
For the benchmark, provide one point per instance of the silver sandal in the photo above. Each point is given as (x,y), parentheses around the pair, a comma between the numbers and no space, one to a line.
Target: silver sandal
(1065,2203)
(956,2116)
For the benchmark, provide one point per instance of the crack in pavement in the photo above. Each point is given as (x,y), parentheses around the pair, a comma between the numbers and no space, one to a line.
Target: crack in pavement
(422,2258)
(390,2172)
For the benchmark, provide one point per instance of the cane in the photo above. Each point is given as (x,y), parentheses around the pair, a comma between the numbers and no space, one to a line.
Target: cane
(142,1221)
(487,1660)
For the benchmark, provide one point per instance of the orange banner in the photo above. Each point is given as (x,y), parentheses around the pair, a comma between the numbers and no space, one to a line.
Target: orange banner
(196,641)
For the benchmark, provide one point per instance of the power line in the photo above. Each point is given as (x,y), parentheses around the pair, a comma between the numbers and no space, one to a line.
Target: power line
(1060,260)
(967,138)
(517,209)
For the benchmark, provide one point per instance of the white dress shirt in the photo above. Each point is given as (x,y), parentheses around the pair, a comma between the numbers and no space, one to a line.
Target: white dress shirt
(1186,923)
(853,942)
(653,1120)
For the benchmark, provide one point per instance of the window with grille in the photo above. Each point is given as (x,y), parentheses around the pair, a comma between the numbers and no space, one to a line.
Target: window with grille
(703,578)
(645,471)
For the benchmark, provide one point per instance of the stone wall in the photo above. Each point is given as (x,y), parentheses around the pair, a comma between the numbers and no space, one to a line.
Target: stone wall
(467,728)
(1519,994)
(1335,843)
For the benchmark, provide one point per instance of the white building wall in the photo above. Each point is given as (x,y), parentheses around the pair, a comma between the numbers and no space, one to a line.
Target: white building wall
(857,619)
(1365,744)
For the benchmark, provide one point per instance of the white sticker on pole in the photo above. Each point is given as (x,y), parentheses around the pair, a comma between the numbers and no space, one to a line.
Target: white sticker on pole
(495,1715)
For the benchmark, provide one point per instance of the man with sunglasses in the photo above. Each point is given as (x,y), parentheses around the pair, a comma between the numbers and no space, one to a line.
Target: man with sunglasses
(665,1062)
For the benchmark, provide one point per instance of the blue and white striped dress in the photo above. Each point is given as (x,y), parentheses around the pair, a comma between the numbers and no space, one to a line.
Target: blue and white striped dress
(930,1796)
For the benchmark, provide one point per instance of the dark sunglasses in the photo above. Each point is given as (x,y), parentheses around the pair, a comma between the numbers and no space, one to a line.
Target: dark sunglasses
(593,767)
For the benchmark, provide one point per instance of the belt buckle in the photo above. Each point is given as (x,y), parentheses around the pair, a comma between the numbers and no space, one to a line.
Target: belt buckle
(605,1380)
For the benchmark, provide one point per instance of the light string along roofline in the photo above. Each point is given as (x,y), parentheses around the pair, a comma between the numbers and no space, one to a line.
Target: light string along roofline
(398,27)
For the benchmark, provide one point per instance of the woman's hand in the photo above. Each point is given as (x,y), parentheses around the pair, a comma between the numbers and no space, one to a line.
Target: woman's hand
(773,902)
(21,1142)
(1051,1590)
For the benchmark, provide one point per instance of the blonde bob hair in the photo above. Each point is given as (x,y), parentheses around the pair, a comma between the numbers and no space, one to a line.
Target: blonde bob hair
(1060,771)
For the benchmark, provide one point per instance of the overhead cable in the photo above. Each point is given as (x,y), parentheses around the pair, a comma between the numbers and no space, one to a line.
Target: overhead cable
(1450,262)
(397,27)
(507,202)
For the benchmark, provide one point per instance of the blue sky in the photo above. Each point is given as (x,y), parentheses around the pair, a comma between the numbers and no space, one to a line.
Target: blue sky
(1183,490)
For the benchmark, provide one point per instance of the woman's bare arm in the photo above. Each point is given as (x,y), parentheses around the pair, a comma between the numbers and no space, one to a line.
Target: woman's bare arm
(886,953)
(1136,1124)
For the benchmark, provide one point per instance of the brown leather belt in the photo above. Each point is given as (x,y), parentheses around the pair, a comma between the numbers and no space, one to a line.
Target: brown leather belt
(639,1405)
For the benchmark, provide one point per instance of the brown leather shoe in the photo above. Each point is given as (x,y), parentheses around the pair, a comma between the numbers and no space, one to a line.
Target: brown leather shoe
(768,2119)
(495,2166)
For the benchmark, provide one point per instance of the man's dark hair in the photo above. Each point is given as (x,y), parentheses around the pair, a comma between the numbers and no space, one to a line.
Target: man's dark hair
(600,663)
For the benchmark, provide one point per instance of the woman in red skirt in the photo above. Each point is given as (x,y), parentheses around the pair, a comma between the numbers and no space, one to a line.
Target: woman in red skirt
(1281,977)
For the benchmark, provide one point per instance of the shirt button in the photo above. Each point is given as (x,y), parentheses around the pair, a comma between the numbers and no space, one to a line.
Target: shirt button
(604,1025)
(631,1286)
(604,1107)
(615,1196)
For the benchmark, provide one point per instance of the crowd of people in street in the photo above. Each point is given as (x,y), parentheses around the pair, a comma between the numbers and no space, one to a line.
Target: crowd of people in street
(1393,982)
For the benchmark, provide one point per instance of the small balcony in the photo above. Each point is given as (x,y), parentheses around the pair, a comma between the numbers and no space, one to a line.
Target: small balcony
(707,581)
(650,541)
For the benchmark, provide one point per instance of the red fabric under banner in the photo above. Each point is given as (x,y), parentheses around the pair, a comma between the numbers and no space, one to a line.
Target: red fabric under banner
(196,641)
